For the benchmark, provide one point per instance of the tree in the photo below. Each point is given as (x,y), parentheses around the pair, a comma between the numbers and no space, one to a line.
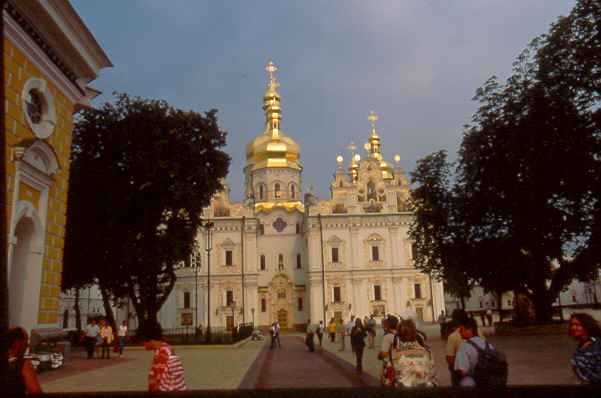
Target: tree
(521,164)
(141,174)
(528,183)
(438,241)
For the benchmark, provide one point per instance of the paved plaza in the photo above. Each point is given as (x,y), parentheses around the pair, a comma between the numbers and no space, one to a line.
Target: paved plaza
(532,360)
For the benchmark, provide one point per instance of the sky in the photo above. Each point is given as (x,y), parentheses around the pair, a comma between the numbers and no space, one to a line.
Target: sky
(416,63)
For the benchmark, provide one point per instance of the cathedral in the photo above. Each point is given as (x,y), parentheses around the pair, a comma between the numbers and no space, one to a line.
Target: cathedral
(285,255)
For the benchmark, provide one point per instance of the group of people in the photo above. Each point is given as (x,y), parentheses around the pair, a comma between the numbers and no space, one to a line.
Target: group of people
(99,336)
(342,330)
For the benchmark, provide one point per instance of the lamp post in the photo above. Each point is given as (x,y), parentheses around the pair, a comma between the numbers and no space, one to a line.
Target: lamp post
(252,310)
(196,266)
(209,246)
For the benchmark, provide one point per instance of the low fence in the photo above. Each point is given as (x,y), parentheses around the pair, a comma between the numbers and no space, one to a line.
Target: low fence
(440,392)
(219,335)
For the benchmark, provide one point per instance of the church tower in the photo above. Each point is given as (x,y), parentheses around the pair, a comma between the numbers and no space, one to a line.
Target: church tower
(273,169)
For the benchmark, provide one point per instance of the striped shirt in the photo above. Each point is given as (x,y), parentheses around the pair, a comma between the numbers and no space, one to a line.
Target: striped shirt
(167,372)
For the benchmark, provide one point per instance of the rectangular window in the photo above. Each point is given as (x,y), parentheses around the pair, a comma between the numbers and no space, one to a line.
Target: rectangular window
(262,263)
(297,228)
(377,292)
(300,303)
(229,260)
(263,305)
(186,299)
(335,258)
(299,264)
(229,297)
(375,253)
(418,291)
(337,294)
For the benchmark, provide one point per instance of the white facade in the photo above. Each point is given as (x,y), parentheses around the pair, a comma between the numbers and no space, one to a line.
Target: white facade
(271,255)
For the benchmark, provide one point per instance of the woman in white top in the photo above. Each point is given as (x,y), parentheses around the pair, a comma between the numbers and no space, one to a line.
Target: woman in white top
(122,334)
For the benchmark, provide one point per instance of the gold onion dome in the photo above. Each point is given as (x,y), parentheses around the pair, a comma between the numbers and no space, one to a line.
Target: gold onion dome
(272,148)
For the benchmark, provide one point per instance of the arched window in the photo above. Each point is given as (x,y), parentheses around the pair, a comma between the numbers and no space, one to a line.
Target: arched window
(277,190)
(261,192)
(371,190)
(281,262)
(293,191)
(262,262)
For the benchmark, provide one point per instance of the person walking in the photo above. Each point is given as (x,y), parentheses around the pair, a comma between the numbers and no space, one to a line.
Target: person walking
(454,340)
(389,325)
(166,372)
(319,332)
(586,361)
(19,377)
(340,332)
(91,334)
(358,334)
(411,358)
(272,334)
(371,331)
(277,334)
(332,330)
(122,334)
(489,316)
(309,341)
(106,334)
(348,327)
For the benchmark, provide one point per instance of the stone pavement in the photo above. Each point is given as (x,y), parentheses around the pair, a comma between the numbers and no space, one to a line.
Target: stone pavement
(293,366)
(205,368)
(532,359)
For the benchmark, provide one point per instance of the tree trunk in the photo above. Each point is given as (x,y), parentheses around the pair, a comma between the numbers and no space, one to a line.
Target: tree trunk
(77,310)
(148,324)
(543,305)
(108,310)
(462,300)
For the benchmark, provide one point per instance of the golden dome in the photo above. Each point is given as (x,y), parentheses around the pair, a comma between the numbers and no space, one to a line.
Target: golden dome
(386,169)
(272,148)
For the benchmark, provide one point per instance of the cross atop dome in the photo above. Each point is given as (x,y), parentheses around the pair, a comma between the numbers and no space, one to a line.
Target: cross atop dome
(271,69)
(373,118)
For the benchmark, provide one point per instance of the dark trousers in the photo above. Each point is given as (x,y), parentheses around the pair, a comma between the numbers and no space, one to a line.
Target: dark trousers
(359,355)
(333,337)
(90,343)
(310,342)
(121,344)
(277,340)
(106,348)
(272,340)
(320,338)
(455,376)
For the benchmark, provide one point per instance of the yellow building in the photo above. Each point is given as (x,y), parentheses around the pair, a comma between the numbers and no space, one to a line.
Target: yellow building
(49,58)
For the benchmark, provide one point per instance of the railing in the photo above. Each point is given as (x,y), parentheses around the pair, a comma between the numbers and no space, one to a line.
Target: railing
(219,335)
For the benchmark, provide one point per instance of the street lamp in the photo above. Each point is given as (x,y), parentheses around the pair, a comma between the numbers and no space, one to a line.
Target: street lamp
(195,265)
(209,246)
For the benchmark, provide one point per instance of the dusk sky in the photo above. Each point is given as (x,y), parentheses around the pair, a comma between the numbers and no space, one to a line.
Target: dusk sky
(416,63)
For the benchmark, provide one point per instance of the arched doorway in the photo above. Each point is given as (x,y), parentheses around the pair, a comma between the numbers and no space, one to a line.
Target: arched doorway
(280,292)
(283,319)
(25,268)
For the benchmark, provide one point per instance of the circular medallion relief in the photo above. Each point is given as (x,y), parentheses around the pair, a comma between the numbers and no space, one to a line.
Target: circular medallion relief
(38,107)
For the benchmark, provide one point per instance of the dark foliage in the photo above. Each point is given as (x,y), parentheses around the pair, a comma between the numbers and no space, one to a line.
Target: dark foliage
(141,172)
